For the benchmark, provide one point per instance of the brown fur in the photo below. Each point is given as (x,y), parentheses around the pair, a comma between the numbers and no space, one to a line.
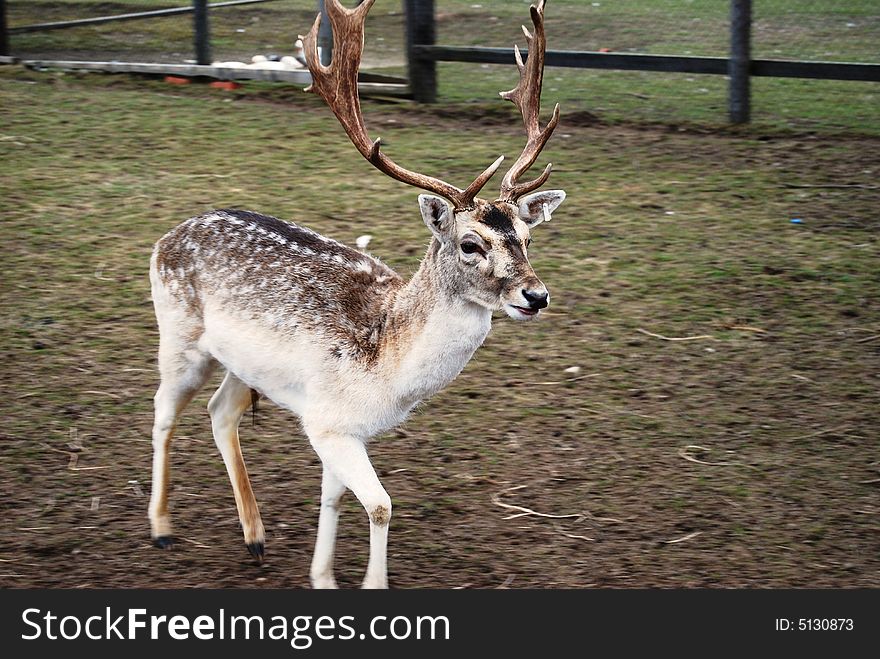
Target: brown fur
(258,265)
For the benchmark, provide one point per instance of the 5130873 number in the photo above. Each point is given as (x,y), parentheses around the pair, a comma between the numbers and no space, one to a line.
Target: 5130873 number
(815,624)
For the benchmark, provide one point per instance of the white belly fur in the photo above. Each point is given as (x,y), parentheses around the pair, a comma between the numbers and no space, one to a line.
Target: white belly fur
(345,400)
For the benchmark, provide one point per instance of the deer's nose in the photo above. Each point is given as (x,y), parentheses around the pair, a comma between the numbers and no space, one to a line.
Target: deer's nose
(537,297)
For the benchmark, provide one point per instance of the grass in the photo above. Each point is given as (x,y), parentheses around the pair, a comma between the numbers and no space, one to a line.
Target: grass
(844,31)
(680,228)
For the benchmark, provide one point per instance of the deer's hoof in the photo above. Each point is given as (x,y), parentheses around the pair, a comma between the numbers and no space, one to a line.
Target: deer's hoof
(257,550)
(163,542)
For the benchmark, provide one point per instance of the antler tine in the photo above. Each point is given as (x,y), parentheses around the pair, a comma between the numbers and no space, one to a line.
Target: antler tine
(337,85)
(527,97)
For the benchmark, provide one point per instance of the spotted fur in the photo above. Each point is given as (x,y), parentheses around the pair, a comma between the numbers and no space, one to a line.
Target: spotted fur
(328,332)
(286,277)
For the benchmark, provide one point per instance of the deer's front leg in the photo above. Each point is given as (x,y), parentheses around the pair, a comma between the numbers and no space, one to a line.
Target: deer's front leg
(332,490)
(346,458)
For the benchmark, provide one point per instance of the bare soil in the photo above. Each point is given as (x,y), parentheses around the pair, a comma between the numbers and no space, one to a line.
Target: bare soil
(746,458)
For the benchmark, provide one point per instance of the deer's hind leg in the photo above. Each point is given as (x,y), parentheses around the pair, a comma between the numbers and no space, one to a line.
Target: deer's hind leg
(183,370)
(227,406)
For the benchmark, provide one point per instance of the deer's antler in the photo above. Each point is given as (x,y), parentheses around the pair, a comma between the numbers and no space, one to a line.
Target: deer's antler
(527,97)
(337,85)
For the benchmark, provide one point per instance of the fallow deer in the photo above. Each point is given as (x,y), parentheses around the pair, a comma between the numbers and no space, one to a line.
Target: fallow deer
(331,333)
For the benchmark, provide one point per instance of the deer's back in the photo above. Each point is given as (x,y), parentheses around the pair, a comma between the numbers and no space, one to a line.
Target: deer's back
(286,279)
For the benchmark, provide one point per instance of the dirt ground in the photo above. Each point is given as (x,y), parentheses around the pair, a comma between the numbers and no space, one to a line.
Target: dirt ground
(721,430)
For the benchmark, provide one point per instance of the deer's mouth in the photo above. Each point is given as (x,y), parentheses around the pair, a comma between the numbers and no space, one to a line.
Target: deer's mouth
(520,313)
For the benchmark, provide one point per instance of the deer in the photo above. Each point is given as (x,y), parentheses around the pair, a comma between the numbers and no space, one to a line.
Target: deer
(331,333)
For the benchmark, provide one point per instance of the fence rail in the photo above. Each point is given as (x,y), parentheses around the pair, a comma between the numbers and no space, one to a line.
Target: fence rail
(421,52)
(660,63)
(133,16)
(739,65)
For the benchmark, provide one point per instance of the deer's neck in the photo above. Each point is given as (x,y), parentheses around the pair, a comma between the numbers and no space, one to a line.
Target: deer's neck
(434,332)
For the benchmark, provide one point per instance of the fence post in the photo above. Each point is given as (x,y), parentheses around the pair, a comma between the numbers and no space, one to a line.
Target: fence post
(420,30)
(739,101)
(4,37)
(201,32)
(325,36)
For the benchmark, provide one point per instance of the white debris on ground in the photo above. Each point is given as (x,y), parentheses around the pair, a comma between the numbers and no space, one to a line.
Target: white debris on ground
(573,370)
(286,63)
(363,241)
(293,62)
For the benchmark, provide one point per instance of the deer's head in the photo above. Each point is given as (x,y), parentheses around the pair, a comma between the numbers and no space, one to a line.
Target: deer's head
(483,245)
(484,250)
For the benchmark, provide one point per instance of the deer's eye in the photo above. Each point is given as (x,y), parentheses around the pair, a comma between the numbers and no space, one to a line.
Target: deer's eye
(472,248)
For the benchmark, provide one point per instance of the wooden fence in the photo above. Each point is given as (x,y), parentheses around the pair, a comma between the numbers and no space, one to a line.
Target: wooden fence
(423,54)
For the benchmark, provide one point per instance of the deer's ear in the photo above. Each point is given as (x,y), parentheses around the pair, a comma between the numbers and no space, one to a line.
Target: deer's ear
(437,214)
(538,206)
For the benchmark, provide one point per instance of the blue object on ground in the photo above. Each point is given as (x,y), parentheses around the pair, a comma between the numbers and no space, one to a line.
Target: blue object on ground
(797,220)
